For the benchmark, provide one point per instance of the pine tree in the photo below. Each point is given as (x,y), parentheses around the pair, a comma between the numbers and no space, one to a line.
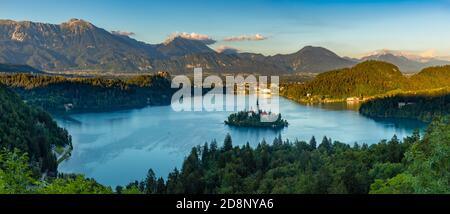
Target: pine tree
(150,182)
(160,186)
(228,143)
(326,145)
(174,185)
(313,143)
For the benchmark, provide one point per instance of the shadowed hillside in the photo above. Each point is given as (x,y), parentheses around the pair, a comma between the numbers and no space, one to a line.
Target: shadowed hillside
(31,130)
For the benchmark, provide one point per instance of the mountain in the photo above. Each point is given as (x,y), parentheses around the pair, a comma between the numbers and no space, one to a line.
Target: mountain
(406,62)
(179,46)
(436,62)
(18,69)
(73,45)
(77,45)
(312,59)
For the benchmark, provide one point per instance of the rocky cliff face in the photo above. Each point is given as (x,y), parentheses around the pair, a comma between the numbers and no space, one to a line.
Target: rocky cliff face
(72,45)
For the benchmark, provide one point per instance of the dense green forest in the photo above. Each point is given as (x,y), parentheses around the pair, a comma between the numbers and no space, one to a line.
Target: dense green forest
(431,98)
(32,131)
(57,94)
(367,79)
(422,107)
(29,139)
(414,165)
(433,77)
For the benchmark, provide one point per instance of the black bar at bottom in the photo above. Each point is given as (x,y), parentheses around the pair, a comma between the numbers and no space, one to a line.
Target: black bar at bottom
(208,203)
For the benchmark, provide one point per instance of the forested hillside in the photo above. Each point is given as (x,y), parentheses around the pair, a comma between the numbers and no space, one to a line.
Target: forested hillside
(365,80)
(30,130)
(426,96)
(58,94)
(433,77)
(424,106)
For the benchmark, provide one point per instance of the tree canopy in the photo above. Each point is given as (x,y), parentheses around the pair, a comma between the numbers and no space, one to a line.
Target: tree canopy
(58,94)
(31,130)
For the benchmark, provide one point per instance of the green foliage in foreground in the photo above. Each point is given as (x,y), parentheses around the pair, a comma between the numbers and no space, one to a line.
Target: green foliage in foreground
(416,165)
(16,177)
(427,165)
(15,174)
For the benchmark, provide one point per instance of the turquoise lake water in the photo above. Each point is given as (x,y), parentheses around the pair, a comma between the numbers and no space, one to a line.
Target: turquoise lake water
(116,148)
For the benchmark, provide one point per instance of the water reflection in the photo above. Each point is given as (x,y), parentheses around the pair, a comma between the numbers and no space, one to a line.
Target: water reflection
(399,123)
(338,106)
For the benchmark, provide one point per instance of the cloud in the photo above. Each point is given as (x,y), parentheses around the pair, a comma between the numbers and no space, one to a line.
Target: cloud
(256,37)
(122,33)
(192,36)
(227,50)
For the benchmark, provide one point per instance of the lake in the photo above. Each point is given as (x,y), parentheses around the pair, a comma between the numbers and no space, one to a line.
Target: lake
(116,148)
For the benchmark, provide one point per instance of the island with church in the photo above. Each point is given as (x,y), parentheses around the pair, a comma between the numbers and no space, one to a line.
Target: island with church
(256,119)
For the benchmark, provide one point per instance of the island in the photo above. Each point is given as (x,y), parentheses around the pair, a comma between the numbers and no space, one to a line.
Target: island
(256,119)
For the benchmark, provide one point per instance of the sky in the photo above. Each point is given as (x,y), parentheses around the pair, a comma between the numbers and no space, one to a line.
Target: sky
(348,27)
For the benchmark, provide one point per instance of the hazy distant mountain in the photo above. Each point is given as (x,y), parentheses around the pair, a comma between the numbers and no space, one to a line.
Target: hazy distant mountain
(406,63)
(436,62)
(180,47)
(312,59)
(18,68)
(79,45)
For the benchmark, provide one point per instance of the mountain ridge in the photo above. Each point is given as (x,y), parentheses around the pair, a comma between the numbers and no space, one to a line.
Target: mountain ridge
(78,45)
